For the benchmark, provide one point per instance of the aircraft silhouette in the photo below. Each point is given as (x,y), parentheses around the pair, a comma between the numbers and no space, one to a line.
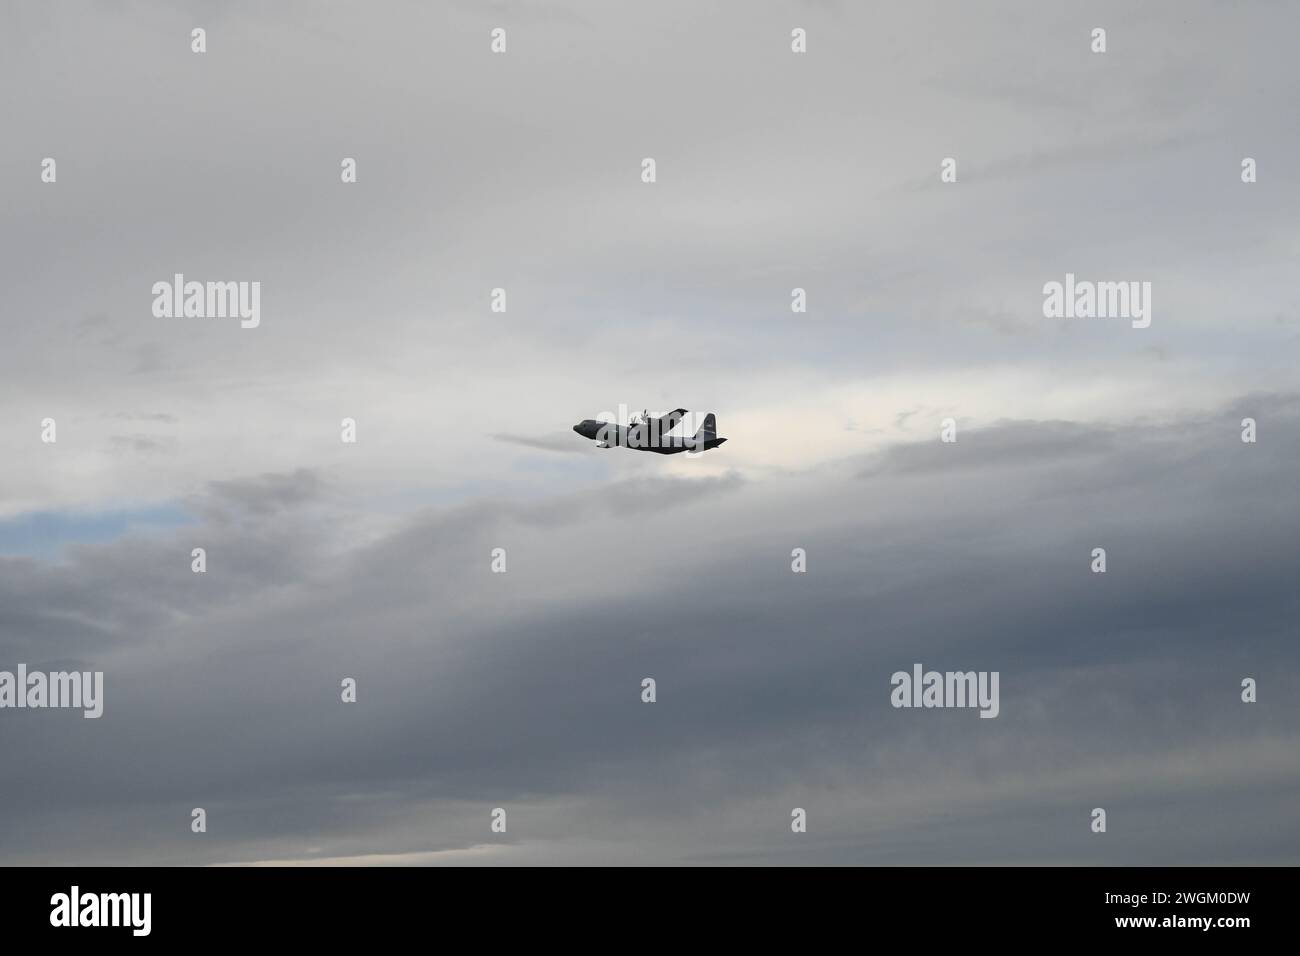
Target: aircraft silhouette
(651,434)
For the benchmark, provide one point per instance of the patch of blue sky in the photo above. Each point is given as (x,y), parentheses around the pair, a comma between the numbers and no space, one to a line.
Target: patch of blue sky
(45,534)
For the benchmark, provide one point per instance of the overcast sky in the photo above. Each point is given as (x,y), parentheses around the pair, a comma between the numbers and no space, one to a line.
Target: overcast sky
(522,690)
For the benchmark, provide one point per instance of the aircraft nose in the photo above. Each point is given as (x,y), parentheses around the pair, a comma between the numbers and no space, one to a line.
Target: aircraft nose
(578,428)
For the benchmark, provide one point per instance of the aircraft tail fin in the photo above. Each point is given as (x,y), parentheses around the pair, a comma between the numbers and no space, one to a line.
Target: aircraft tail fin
(708,431)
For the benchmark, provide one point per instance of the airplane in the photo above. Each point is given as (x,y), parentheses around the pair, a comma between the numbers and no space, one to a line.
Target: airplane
(651,434)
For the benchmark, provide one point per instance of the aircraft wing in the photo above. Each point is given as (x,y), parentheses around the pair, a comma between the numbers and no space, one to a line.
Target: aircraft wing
(668,422)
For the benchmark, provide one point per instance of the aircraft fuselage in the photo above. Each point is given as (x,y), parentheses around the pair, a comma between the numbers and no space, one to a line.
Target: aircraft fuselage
(643,437)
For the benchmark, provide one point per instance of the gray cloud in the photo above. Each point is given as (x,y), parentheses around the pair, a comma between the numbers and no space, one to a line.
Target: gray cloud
(140,442)
(521,690)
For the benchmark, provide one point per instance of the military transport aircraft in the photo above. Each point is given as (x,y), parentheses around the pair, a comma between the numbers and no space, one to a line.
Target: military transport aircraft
(651,434)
